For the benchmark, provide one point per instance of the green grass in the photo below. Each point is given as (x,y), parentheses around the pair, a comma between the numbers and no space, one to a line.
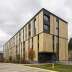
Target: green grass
(57,67)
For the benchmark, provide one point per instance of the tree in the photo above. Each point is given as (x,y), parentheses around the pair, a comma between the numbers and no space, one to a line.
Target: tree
(31,54)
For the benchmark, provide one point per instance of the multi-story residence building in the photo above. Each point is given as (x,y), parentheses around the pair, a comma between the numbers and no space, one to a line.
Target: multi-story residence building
(42,39)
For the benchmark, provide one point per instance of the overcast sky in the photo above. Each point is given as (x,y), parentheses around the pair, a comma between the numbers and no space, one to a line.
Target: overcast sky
(15,13)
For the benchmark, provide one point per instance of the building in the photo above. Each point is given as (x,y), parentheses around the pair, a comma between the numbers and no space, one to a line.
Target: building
(42,39)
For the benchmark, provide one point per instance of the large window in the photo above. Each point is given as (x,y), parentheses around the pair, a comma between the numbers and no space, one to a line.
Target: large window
(46,19)
(46,23)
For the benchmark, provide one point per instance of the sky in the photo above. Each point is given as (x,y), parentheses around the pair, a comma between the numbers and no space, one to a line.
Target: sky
(15,13)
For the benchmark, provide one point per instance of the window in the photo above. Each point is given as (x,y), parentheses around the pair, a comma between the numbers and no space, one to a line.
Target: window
(23,48)
(38,42)
(46,27)
(34,26)
(23,44)
(57,26)
(46,23)
(32,42)
(57,47)
(29,30)
(46,19)
(29,33)
(19,36)
(29,26)
(57,20)
(25,32)
(16,49)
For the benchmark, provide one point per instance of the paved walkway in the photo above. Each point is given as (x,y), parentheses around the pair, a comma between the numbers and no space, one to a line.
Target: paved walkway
(8,67)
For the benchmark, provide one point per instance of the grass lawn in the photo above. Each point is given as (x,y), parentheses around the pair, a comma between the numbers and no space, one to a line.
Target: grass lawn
(57,67)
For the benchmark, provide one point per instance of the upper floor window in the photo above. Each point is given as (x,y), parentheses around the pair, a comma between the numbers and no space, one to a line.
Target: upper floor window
(29,30)
(57,26)
(34,26)
(19,36)
(46,23)
(29,26)
(46,19)
(26,32)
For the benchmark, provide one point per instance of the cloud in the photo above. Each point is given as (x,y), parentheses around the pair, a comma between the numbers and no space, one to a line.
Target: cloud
(3,36)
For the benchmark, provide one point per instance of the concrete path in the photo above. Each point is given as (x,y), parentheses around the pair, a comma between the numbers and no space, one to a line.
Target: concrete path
(8,67)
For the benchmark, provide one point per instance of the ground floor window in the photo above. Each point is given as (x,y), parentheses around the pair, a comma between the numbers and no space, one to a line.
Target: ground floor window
(45,57)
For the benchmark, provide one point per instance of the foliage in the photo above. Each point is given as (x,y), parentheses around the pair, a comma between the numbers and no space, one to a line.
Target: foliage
(18,58)
(31,54)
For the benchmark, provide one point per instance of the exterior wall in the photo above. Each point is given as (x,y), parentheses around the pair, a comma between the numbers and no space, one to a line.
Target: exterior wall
(41,22)
(52,24)
(5,52)
(26,50)
(41,42)
(31,43)
(48,43)
(63,32)
(45,43)
(35,48)
(21,44)
(63,50)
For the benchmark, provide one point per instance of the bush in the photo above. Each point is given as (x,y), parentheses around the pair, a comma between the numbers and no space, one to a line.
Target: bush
(18,58)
